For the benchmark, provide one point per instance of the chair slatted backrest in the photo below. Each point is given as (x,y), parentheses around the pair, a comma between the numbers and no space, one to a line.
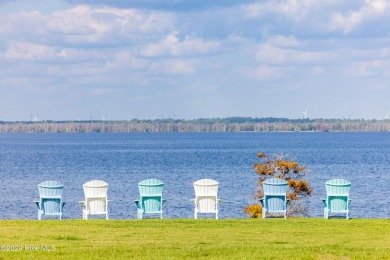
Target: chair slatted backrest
(206,195)
(96,196)
(50,194)
(337,191)
(275,191)
(150,191)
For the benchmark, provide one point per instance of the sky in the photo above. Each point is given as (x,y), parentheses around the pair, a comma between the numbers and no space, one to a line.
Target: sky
(186,59)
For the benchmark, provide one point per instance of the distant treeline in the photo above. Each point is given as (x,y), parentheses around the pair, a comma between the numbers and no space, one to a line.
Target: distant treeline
(231,124)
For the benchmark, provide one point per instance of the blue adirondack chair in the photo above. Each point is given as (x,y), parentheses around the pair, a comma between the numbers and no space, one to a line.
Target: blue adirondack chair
(274,200)
(337,197)
(151,201)
(50,199)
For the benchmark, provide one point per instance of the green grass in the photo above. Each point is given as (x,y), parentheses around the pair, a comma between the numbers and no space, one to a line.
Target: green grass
(298,238)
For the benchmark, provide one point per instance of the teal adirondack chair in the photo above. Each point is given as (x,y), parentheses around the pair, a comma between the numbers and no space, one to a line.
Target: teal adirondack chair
(151,200)
(274,200)
(50,199)
(337,197)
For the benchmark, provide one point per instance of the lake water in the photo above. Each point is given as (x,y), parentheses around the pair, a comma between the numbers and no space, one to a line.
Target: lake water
(179,159)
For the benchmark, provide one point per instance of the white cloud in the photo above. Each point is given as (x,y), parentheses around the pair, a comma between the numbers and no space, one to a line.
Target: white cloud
(27,26)
(370,68)
(309,17)
(171,45)
(292,9)
(86,25)
(269,54)
(370,9)
(26,51)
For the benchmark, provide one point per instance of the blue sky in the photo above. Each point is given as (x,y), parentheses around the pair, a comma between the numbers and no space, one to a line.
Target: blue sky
(89,59)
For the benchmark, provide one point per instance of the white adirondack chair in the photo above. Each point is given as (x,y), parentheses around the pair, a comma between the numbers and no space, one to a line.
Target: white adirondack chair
(206,197)
(95,202)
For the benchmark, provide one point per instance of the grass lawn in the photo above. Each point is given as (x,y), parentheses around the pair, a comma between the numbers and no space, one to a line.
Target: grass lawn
(298,238)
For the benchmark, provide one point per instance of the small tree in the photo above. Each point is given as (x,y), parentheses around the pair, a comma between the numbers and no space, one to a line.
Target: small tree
(280,167)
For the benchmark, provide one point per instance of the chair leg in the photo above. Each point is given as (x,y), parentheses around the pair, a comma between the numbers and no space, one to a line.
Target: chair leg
(195,214)
(216,215)
(39,216)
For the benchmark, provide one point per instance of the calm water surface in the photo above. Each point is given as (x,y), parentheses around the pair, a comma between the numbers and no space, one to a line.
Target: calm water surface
(179,159)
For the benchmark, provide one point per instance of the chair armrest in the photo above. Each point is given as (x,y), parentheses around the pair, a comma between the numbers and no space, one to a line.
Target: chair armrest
(37,202)
(324,201)
(82,203)
(261,200)
(219,200)
(163,201)
(109,201)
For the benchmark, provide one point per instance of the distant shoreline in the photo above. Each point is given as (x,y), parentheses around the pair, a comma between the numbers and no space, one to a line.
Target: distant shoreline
(234,124)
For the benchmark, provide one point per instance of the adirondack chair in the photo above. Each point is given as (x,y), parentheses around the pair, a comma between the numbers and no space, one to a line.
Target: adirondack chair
(337,197)
(95,202)
(151,200)
(274,200)
(206,197)
(50,199)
